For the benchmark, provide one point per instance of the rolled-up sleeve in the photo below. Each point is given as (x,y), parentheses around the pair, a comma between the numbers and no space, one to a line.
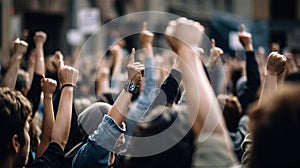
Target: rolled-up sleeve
(96,152)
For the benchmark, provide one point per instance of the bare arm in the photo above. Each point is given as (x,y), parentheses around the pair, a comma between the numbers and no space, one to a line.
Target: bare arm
(48,87)
(61,128)
(40,39)
(275,66)
(10,77)
(119,109)
(31,67)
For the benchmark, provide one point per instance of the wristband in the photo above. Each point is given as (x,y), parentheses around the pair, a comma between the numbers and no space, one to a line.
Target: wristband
(68,84)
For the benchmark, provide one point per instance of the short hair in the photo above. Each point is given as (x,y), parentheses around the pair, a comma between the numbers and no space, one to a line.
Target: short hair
(21,82)
(15,110)
(275,124)
(161,118)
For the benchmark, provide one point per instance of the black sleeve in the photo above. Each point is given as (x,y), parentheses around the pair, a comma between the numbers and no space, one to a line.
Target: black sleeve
(248,95)
(34,93)
(168,90)
(53,157)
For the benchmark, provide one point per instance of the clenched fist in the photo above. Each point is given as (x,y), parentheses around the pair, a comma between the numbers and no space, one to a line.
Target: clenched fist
(183,32)
(68,75)
(276,64)
(48,86)
(40,38)
(20,47)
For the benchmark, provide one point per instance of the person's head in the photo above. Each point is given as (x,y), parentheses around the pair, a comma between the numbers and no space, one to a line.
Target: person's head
(15,112)
(275,124)
(22,82)
(232,110)
(88,121)
(158,120)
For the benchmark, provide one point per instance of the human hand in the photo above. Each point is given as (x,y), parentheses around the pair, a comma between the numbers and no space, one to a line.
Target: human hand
(48,86)
(20,48)
(245,39)
(183,33)
(115,49)
(68,75)
(57,60)
(276,64)
(215,51)
(146,37)
(40,38)
(135,69)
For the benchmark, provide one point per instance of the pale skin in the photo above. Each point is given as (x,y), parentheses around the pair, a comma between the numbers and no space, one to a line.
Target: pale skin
(196,82)
(135,73)
(39,40)
(61,127)
(48,87)
(10,78)
(275,66)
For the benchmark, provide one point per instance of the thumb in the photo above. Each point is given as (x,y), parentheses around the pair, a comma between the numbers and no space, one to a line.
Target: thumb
(131,58)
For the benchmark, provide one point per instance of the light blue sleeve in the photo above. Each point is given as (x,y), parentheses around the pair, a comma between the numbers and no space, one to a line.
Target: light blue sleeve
(96,152)
(143,102)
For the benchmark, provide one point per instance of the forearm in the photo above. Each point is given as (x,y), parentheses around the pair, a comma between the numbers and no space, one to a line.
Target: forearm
(252,71)
(10,77)
(30,70)
(61,128)
(47,125)
(143,102)
(268,87)
(119,109)
(40,61)
(206,109)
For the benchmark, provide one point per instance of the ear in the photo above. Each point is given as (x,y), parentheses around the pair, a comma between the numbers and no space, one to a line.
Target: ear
(15,143)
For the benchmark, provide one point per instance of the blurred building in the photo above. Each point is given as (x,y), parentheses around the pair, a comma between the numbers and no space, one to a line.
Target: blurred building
(269,20)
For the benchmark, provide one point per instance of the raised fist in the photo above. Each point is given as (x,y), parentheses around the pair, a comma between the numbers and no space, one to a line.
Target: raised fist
(276,64)
(48,86)
(135,69)
(245,39)
(20,47)
(146,36)
(68,75)
(183,32)
(40,37)
(57,60)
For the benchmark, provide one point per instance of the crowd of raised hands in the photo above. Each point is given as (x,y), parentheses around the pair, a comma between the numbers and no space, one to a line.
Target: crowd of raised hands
(247,120)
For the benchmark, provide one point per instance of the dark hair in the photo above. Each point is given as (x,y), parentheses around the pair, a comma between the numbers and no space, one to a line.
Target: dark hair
(21,81)
(179,155)
(275,124)
(14,112)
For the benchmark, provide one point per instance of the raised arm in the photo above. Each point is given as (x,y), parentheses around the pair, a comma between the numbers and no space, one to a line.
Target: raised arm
(35,90)
(48,86)
(96,152)
(183,36)
(249,94)
(68,77)
(10,78)
(275,66)
(39,40)
(138,110)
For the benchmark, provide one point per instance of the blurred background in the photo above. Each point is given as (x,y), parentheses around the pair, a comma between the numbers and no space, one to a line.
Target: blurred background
(69,22)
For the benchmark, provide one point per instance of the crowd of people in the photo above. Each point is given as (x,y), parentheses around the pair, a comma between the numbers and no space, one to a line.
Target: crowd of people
(250,117)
